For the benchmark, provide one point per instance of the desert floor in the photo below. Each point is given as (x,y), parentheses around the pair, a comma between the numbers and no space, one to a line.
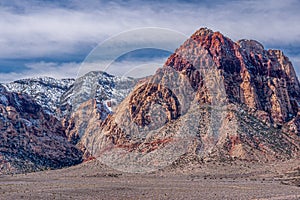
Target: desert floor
(92,180)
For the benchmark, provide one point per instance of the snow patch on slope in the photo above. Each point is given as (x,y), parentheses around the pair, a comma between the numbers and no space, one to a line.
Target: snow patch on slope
(45,91)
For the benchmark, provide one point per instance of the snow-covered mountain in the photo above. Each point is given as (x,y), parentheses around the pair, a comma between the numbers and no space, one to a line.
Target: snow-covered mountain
(45,91)
(106,89)
(58,97)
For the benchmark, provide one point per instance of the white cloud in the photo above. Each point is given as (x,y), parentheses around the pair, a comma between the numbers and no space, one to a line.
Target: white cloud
(136,69)
(54,30)
(42,69)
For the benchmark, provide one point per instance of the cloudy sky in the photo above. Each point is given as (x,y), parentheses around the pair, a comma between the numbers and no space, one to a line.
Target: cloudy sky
(52,38)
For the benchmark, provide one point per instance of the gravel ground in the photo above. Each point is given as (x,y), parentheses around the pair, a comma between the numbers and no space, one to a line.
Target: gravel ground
(210,181)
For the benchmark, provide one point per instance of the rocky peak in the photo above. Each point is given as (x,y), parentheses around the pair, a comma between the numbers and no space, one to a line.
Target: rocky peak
(202,32)
(263,80)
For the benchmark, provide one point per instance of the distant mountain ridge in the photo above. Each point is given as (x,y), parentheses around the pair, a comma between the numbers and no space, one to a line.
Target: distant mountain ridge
(46,91)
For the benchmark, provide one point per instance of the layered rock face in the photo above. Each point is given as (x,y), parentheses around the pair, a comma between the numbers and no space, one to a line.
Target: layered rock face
(31,139)
(214,98)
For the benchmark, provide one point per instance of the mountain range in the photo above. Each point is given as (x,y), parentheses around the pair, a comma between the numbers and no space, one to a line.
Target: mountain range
(214,99)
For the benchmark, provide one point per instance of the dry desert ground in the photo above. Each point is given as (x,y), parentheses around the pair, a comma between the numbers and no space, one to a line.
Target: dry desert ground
(212,180)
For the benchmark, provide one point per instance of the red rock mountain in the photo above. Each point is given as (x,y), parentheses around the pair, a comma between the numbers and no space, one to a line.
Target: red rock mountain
(213,98)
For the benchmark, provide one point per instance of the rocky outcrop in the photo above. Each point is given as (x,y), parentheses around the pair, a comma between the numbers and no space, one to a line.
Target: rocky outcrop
(30,139)
(215,98)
